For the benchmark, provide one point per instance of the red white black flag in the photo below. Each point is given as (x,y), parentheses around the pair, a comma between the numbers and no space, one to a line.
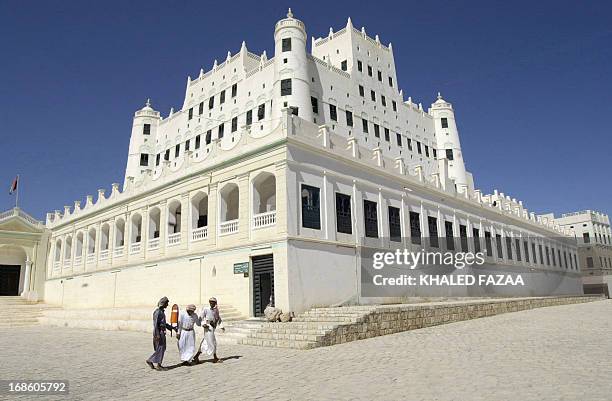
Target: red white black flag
(14,185)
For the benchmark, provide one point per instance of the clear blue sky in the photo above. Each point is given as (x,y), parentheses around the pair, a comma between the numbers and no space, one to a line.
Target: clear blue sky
(531,84)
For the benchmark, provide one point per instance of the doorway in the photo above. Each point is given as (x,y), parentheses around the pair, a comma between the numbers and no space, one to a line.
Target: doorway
(263,283)
(9,280)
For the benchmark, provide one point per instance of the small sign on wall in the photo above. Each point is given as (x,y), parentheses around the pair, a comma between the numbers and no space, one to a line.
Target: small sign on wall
(242,267)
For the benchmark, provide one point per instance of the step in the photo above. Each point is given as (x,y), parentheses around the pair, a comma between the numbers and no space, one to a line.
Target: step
(279,343)
(290,337)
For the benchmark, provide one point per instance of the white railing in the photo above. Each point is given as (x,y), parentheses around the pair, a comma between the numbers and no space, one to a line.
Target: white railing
(104,254)
(91,258)
(78,260)
(228,227)
(199,234)
(153,243)
(67,262)
(135,248)
(262,220)
(57,265)
(118,251)
(174,239)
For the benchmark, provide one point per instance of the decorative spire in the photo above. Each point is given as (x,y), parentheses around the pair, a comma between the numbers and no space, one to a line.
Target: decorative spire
(349,23)
(363,32)
(148,103)
(331,31)
(439,96)
(289,13)
(243,47)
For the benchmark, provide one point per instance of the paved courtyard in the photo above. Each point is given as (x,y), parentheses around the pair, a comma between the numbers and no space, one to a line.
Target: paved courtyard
(555,353)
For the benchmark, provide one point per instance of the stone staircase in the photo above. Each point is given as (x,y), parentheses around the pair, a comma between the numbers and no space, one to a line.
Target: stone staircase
(237,330)
(125,318)
(320,327)
(19,312)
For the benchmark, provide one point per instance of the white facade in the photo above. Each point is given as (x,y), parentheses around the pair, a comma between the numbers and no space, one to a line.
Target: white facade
(226,180)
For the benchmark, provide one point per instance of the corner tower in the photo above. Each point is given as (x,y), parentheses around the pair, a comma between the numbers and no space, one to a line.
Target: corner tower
(447,138)
(291,77)
(141,155)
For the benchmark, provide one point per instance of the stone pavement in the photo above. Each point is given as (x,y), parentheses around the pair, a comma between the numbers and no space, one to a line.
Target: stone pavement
(553,353)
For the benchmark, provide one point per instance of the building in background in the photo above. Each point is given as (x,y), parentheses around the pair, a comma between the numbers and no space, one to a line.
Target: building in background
(594,239)
(275,174)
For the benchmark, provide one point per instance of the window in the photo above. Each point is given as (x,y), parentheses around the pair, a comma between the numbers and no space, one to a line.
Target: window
(383,100)
(373,95)
(394,104)
(190,114)
(541,254)
(343,214)
(426,151)
(294,110)
(526,251)
(547,255)
(449,154)
(390,82)
(432,225)
(201,108)
(361,91)
(222,97)
(286,44)
(167,154)
(379,75)
(586,238)
(364,125)
(369,70)
(435,153)
(359,66)
(197,142)
(450,240)
(498,241)
(208,136)
(349,118)
(311,216)
(177,150)
(399,139)
(146,129)
(554,259)
(187,143)
(343,66)
(395,224)
(234,90)
(234,124)
(387,138)
(409,143)
(476,237)
(144,159)
(376,131)
(315,104)
(488,244)
(211,102)
(286,87)
(157,159)
(517,244)
(221,131)
(444,122)
(249,117)
(332,112)
(463,237)
(370,216)
(509,247)
(415,228)
(261,112)
(590,262)
(419,147)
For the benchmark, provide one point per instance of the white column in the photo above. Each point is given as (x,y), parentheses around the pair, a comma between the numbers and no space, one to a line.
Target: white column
(26,279)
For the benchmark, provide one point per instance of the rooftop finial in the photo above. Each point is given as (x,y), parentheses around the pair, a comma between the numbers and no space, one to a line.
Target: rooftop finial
(148,103)
(439,96)
(289,13)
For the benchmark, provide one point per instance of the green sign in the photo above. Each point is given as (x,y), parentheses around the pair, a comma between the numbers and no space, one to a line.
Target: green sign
(241,267)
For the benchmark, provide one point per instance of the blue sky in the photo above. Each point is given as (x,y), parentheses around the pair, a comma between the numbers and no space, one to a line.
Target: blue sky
(530,83)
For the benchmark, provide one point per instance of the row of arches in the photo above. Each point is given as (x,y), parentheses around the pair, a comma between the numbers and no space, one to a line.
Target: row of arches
(85,242)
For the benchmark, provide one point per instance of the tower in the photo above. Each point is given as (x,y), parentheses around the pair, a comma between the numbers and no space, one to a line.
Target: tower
(141,155)
(447,140)
(291,77)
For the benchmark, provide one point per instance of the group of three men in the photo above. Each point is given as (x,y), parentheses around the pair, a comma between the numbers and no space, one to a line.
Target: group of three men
(209,319)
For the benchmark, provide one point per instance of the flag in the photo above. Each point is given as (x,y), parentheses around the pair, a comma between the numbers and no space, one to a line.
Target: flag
(13,188)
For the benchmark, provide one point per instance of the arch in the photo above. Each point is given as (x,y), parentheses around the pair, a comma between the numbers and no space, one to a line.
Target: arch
(154,222)
(136,221)
(199,210)
(229,205)
(58,250)
(119,232)
(79,244)
(68,248)
(264,193)
(11,257)
(105,236)
(174,217)
(91,241)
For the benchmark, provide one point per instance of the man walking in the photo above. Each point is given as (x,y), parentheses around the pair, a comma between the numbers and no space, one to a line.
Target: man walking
(159,335)
(186,333)
(210,321)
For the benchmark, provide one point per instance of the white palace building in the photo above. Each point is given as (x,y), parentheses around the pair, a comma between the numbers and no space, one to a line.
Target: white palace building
(271,178)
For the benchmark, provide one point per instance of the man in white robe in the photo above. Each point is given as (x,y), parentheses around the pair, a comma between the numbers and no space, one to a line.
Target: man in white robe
(186,333)
(211,320)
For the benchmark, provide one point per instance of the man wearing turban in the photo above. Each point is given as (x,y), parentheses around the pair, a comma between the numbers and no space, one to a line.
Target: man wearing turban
(159,335)
(186,333)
